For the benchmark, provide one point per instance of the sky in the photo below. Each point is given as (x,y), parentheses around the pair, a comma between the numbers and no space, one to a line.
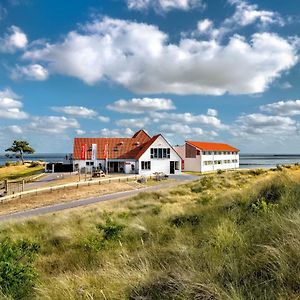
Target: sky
(205,70)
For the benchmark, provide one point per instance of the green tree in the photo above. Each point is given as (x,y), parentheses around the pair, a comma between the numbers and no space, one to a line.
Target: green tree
(20,147)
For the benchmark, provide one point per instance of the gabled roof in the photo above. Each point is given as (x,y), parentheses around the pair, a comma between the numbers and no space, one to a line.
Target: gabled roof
(117,148)
(208,146)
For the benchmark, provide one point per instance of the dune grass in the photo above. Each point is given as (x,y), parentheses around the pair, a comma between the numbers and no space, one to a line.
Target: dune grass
(226,236)
(19,171)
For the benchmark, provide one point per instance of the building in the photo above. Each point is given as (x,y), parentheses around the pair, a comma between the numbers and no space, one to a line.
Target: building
(140,154)
(206,156)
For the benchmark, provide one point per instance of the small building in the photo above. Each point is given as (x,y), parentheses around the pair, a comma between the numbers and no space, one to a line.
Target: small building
(140,154)
(207,156)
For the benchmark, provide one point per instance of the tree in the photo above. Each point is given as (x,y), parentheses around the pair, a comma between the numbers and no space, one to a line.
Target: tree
(20,147)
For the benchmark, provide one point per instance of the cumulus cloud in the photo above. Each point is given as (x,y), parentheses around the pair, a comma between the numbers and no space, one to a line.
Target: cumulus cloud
(189,118)
(283,108)
(79,111)
(13,40)
(11,106)
(164,5)
(15,129)
(139,106)
(133,123)
(80,131)
(260,124)
(139,57)
(52,124)
(246,14)
(30,72)
(103,119)
(126,132)
(212,112)
(180,129)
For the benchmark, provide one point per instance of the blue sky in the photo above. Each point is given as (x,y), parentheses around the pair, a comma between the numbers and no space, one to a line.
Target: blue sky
(219,70)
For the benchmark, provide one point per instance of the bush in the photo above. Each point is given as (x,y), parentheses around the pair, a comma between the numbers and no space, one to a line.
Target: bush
(111,230)
(220,171)
(17,274)
(279,168)
(257,172)
(34,164)
(181,220)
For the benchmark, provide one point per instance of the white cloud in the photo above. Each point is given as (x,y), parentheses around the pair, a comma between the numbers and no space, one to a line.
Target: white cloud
(13,40)
(179,129)
(133,123)
(283,108)
(79,111)
(30,72)
(10,106)
(212,112)
(127,132)
(80,132)
(246,14)
(188,118)
(139,57)
(103,119)
(52,124)
(164,5)
(15,129)
(260,124)
(139,106)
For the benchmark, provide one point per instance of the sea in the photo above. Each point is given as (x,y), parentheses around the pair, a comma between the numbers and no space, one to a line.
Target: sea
(246,160)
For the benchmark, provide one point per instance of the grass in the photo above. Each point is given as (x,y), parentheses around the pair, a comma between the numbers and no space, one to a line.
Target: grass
(18,171)
(225,236)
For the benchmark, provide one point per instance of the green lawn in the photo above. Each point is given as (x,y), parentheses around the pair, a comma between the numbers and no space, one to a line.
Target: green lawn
(225,236)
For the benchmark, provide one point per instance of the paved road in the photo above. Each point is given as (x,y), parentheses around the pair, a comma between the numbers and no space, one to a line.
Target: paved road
(83,202)
(47,177)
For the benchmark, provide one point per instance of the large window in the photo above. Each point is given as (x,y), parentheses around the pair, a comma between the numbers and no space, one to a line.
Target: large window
(176,165)
(160,152)
(146,165)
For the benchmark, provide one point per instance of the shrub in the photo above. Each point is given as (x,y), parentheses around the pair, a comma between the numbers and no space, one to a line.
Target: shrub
(181,220)
(279,168)
(34,164)
(263,206)
(257,172)
(111,230)
(8,164)
(220,171)
(17,274)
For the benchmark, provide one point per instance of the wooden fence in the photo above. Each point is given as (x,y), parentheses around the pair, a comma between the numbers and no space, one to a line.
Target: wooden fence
(69,185)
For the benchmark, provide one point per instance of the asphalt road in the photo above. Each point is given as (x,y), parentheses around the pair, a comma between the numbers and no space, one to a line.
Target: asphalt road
(87,201)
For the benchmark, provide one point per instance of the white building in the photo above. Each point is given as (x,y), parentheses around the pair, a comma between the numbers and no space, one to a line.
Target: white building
(140,154)
(206,156)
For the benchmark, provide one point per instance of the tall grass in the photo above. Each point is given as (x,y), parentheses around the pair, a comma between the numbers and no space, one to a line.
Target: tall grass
(228,236)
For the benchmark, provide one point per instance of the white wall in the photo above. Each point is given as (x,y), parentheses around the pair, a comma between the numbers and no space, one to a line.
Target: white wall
(159,164)
(222,166)
(197,164)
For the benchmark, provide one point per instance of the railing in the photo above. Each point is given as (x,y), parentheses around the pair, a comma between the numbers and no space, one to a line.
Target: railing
(70,185)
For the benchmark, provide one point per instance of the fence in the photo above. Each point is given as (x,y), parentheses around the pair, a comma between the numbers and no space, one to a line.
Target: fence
(69,185)
(8,187)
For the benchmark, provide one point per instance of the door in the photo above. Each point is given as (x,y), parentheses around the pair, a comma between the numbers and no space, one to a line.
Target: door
(172,167)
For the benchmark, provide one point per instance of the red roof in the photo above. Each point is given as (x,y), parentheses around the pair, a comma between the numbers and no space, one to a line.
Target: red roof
(208,146)
(117,148)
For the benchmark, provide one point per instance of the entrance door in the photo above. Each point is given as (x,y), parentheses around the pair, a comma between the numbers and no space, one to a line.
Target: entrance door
(172,167)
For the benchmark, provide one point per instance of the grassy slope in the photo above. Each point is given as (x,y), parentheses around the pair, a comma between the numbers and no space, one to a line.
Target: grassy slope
(227,236)
(19,171)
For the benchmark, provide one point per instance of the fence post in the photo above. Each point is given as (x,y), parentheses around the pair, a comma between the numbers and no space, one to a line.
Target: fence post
(6,186)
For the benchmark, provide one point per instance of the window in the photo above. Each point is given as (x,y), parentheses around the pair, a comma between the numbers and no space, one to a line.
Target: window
(89,163)
(146,165)
(160,152)
(198,152)
(176,165)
